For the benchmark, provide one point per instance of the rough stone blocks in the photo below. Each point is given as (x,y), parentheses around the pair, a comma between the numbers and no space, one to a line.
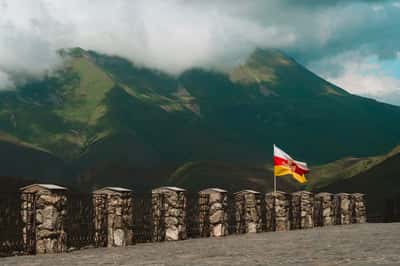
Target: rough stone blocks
(343,208)
(113,217)
(359,208)
(168,213)
(213,215)
(302,210)
(43,211)
(248,211)
(324,209)
(277,211)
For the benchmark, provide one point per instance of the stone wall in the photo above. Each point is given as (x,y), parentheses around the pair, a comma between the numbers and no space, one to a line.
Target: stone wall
(248,211)
(43,213)
(359,208)
(213,215)
(113,217)
(324,214)
(302,210)
(343,208)
(168,213)
(100,219)
(277,211)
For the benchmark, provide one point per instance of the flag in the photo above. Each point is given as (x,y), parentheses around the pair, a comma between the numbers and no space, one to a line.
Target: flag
(286,165)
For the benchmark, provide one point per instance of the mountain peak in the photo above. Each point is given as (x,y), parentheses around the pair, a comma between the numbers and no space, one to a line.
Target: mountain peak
(271,69)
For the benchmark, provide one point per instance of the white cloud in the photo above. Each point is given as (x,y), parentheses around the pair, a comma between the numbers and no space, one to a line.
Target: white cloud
(171,36)
(175,35)
(28,41)
(362,77)
(5,81)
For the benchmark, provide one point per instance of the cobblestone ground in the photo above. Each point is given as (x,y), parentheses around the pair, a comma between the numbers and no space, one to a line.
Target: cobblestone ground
(364,244)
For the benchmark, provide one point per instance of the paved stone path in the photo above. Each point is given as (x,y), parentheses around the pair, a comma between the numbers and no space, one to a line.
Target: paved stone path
(362,244)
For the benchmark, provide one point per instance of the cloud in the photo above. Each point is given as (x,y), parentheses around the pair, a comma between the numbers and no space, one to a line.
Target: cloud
(364,76)
(28,37)
(175,35)
(5,81)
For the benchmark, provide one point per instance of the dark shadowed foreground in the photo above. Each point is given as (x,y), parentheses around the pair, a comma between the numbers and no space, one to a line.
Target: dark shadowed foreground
(358,244)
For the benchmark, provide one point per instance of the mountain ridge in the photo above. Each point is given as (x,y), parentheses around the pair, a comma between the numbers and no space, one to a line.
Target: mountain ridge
(102,110)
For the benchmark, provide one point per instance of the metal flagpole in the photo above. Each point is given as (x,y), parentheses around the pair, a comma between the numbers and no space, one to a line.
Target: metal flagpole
(273,167)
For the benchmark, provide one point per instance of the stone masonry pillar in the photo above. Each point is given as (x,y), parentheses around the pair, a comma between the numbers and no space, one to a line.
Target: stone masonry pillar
(343,208)
(43,211)
(302,210)
(277,211)
(113,216)
(324,209)
(359,208)
(213,215)
(169,213)
(248,211)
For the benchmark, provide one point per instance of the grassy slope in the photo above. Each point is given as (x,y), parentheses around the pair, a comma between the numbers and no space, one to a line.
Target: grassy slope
(243,113)
(377,177)
(380,183)
(103,110)
(203,174)
(324,175)
(24,160)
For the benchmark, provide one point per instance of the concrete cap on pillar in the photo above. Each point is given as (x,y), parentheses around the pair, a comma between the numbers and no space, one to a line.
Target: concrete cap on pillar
(112,190)
(210,190)
(302,192)
(247,191)
(343,194)
(277,192)
(161,189)
(41,187)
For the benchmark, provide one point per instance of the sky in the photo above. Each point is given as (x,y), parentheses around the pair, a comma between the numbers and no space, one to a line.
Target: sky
(352,43)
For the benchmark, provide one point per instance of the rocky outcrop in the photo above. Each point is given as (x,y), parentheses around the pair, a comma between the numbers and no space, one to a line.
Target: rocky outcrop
(113,217)
(277,211)
(343,208)
(324,214)
(302,210)
(213,215)
(248,211)
(359,208)
(168,213)
(43,211)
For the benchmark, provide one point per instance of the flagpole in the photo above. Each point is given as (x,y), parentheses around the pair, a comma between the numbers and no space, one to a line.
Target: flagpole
(273,168)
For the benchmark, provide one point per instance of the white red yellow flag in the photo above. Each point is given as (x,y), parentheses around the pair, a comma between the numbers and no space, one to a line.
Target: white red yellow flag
(286,165)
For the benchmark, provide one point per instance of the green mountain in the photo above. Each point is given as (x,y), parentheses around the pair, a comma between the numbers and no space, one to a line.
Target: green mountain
(378,178)
(21,161)
(233,177)
(324,175)
(107,120)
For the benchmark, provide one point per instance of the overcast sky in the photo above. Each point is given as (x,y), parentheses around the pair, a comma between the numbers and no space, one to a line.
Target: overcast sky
(353,43)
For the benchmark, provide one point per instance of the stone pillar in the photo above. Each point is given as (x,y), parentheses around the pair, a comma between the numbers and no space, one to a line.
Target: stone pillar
(324,209)
(302,211)
(343,208)
(168,213)
(248,211)
(277,211)
(359,208)
(113,216)
(213,215)
(43,211)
